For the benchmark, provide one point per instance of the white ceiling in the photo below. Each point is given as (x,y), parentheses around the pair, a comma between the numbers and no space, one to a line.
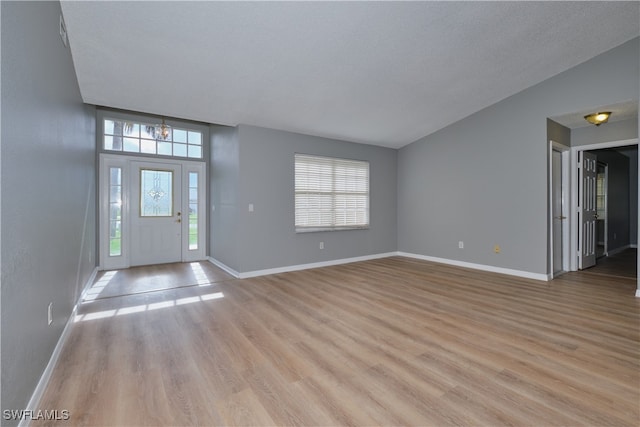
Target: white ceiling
(620,111)
(384,73)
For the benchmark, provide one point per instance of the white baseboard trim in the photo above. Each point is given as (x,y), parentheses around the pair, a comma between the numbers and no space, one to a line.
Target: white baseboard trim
(633,246)
(53,360)
(637,293)
(490,268)
(223,266)
(257,273)
(88,283)
(298,267)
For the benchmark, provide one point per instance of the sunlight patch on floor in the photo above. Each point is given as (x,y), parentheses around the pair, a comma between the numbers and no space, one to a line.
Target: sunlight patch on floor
(146,307)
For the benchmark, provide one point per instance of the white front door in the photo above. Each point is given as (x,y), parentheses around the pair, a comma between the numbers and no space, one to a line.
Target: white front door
(588,210)
(156,216)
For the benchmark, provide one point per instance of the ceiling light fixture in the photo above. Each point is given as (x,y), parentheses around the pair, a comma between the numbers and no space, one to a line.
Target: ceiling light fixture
(162,131)
(598,118)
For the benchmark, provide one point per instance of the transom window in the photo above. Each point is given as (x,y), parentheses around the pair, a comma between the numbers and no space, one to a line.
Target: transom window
(131,137)
(330,193)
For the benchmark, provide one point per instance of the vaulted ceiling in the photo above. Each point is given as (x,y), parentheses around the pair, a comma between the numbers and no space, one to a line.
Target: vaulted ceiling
(384,73)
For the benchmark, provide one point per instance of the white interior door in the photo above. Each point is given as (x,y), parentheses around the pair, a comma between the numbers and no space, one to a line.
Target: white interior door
(588,210)
(156,216)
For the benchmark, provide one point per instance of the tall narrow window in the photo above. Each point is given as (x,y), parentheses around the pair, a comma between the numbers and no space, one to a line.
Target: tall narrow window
(330,193)
(115,211)
(193,211)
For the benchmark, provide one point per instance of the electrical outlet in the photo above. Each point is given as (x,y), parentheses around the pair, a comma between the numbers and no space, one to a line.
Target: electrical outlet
(250,207)
(50,313)
(460,244)
(321,245)
(496,249)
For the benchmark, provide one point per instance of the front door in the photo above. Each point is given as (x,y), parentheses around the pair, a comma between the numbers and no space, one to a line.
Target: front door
(588,173)
(156,217)
(151,211)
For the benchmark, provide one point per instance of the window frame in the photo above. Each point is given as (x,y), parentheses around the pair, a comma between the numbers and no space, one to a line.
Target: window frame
(335,161)
(103,114)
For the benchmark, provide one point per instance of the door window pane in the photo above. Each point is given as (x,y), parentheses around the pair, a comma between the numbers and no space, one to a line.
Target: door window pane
(115,211)
(156,193)
(193,211)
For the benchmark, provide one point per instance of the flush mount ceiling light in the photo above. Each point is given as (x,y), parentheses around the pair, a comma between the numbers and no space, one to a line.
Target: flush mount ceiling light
(162,131)
(598,118)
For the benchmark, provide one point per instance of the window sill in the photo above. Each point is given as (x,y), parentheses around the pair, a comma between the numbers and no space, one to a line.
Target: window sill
(321,229)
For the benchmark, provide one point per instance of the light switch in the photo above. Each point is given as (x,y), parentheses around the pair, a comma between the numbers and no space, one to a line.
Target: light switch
(250,207)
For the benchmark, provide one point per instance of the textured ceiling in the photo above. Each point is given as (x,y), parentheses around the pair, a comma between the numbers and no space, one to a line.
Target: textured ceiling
(621,111)
(384,73)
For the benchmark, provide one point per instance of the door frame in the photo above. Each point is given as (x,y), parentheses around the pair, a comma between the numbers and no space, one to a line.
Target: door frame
(564,152)
(573,214)
(125,162)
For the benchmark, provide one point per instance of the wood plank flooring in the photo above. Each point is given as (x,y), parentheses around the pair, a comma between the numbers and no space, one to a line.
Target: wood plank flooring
(393,341)
(623,264)
(138,280)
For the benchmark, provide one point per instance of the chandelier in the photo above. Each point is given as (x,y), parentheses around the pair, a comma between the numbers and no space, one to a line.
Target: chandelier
(162,131)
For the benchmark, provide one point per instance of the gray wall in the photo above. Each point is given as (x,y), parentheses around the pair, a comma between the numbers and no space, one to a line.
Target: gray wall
(224,187)
(483,179)
(618,208)
(48,193)
(266,238)
(558,133)
(614,131)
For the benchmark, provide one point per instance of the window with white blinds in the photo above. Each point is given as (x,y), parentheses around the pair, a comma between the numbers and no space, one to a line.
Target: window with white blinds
(331,193)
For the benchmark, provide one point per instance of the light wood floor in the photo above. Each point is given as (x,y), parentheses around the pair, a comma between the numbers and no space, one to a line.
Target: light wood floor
(138,280)
(387,342)
(623,264)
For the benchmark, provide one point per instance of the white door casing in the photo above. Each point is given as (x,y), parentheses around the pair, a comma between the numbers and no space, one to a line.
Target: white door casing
(140,238)
(588,171)
(558,216)
(559,201)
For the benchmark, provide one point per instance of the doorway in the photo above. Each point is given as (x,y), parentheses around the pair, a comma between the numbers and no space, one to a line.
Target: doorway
(152,211)
(612,241)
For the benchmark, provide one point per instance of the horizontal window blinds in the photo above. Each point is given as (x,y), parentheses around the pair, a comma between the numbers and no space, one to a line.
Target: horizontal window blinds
(330,193)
